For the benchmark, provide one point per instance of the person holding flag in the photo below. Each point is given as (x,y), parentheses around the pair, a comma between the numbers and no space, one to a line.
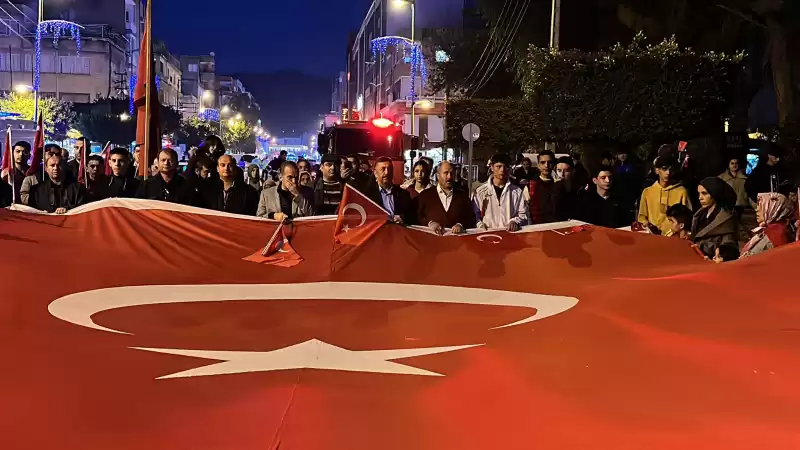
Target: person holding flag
(18,163)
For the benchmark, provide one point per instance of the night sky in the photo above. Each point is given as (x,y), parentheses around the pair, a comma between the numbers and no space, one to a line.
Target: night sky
(261,35)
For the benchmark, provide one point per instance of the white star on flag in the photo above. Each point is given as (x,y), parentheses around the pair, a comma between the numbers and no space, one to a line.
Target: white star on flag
(313,354)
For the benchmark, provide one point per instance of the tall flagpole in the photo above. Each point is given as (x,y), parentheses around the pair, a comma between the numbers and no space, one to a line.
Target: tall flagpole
(148,29)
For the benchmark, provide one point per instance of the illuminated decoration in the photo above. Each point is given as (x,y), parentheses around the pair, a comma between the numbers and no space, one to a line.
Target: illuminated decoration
(382,122)
(442,56)
(56,29)
(132,88)
(4,114)
(360,103)
(412,53)
(209,115)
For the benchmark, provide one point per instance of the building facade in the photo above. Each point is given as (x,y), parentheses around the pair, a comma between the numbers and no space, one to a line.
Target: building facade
(65,73)
(198,84)
(381,85)
(168,70)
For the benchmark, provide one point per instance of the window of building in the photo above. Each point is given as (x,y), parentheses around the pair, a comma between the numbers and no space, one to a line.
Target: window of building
(193,68)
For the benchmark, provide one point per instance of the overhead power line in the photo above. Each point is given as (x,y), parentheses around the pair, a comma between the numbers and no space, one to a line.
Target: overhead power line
(501,55)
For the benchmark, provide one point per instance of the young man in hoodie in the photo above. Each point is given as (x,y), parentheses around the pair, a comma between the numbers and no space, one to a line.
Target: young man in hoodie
(657,198)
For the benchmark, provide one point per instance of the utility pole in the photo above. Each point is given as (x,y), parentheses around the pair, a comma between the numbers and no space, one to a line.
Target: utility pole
(555,24)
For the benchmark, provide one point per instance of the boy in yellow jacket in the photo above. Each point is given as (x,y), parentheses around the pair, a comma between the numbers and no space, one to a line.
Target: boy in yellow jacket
(660,196)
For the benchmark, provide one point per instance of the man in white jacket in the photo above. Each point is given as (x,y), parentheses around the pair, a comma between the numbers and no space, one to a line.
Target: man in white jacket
(498,204)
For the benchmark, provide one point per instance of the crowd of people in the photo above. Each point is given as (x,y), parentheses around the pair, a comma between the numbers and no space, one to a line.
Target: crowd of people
(614,193)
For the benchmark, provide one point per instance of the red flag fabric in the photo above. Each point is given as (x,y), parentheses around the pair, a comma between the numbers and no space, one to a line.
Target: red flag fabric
(279,251)
(357,220)
(82,164)
(146,87)
(7,167)
(598,339)
(106,154)
(37,162)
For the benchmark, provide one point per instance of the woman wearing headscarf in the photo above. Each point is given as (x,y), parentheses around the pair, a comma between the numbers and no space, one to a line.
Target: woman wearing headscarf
(773,213)
(715,223)
(254,176)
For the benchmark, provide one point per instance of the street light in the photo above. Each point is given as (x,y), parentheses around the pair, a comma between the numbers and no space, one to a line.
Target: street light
(412,4)
(225,109)
(208,95)
(239,116)
(22,88)
(124,117)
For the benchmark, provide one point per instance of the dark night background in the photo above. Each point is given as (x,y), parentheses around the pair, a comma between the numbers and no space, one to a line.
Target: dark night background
(285,52)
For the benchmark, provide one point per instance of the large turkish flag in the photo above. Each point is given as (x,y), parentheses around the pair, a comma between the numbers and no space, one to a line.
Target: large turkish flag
(138,325)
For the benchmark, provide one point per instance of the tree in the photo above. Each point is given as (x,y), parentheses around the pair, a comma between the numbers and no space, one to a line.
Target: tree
(238,135)
(506,125)
(464,73)
(109,120)
(771,26)
(57,114)
(193,131)
(244,104)
(629,94)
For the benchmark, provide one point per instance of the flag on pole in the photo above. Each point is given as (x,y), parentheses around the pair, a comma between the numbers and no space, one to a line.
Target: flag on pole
(106,154)
(37,163)
(82,164)
(7,171)
(145,100)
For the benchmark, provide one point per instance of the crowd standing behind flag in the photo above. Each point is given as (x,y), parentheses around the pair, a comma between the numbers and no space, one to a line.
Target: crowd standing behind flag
(505,197)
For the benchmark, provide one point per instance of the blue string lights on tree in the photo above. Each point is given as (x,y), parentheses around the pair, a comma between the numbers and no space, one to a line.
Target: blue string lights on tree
(56,29)
(132,88)
(412,52)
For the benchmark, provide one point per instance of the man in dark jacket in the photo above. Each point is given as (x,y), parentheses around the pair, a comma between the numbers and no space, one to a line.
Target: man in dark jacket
(122,182)
(394,199)
(352,174)
(97,187)
(227,193)
(55,194)
(168,185)
(597,206)
(82,148)
(445,208)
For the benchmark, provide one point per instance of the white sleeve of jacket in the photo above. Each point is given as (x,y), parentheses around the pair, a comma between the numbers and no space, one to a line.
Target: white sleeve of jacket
(522,208)
(477,200)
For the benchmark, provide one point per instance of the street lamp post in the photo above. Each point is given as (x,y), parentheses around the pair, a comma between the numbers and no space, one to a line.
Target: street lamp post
(413,6)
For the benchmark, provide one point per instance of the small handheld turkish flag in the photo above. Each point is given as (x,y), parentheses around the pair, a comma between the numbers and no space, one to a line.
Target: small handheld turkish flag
(37,162)
(278,252)
(106,154)
(359,219)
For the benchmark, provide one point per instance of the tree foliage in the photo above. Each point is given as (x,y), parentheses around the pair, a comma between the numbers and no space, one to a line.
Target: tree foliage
(506,125)
(467,71)
(109,120)
(193,131)
(56,113)
(238,135)
(629,94)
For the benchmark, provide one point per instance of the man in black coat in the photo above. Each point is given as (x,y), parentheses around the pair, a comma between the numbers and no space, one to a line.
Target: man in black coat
(391,197)
(55,194)
(122,182)
(168,185)
(228,194)
(598,206)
